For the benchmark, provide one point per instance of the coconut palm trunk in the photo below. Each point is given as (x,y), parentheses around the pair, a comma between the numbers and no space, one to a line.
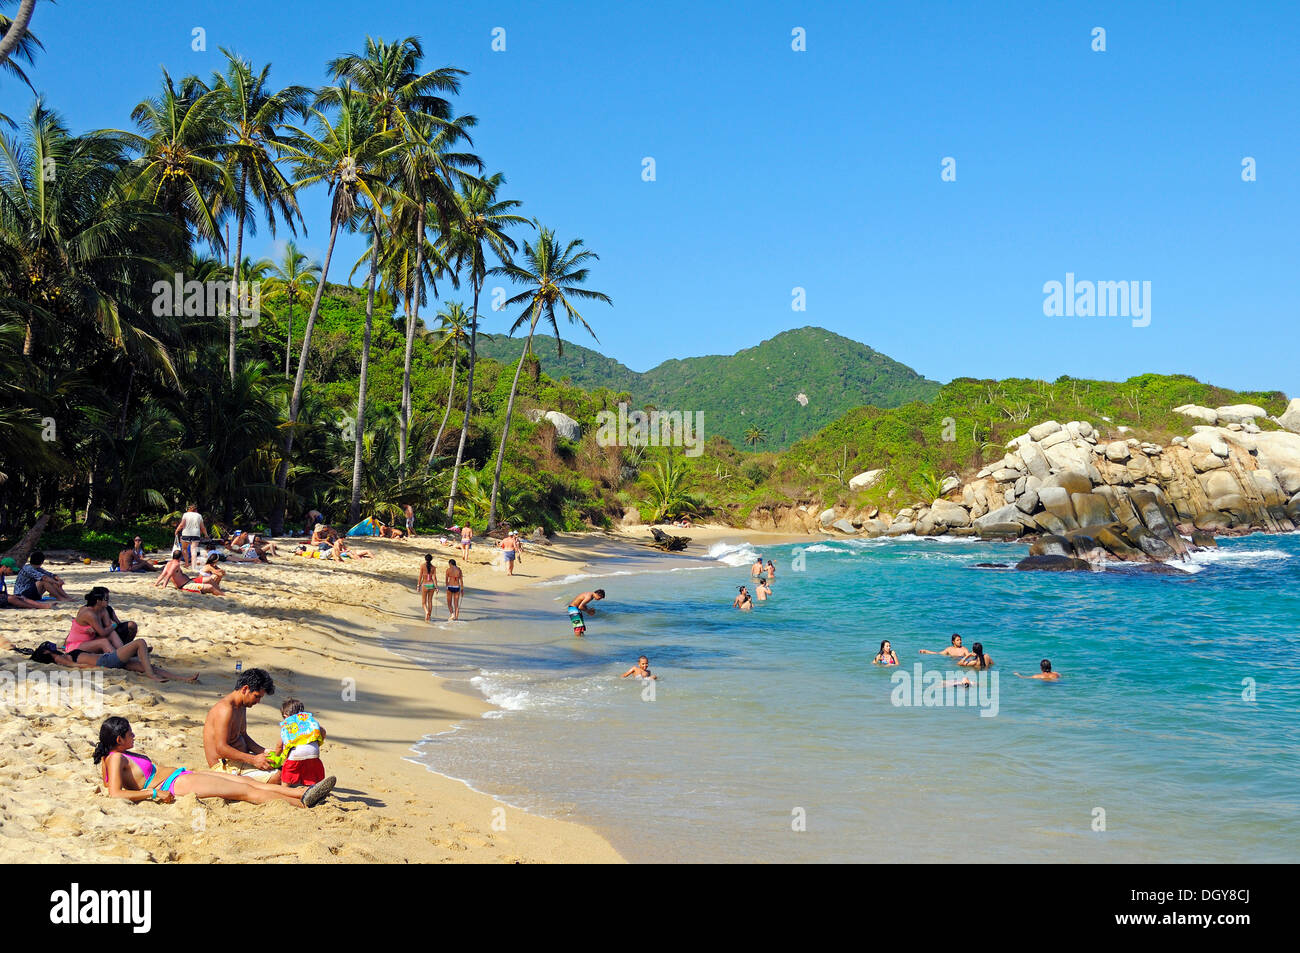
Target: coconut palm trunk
(405,422)
(288,342)
(354,512)
(295,402)
(451,392)
(505,430)
(17,28)
(469,404)
(234,302)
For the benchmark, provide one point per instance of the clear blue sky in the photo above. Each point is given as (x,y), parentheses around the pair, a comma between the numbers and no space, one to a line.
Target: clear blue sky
(821,169)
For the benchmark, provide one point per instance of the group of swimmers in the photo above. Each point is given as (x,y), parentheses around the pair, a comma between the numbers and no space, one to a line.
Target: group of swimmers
(763,577)
(973,657)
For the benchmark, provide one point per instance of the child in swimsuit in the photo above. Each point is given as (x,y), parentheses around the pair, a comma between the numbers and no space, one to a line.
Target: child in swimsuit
(300,740)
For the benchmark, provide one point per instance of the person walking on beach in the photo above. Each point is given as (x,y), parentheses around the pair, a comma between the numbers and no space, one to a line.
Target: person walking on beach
(1045,672)
(513,551)
(190,530)
(581,604)
(409,511)
(455,583)
(955,650)
(466,535)
(427,586)
(641,669)
(226,742)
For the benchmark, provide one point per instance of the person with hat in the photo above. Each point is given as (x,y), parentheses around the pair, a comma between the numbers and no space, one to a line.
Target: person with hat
(7,601)
(513,550)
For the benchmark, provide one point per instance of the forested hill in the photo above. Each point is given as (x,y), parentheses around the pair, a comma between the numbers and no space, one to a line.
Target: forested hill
(783,389)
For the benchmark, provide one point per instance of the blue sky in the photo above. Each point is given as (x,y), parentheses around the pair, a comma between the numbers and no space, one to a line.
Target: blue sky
(821,169)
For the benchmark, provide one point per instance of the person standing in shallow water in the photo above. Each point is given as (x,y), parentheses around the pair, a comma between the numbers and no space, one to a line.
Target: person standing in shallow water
(455,580)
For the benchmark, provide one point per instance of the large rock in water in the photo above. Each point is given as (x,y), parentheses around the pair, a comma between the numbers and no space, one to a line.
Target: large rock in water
(565,426)
(1056,500)
(1051,545)
(1117,545)
(1053,564)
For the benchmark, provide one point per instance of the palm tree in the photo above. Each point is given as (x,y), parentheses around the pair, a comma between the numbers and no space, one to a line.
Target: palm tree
(16,40)
(482,226)
(347,155)
(294,276)
(405,100)
(453,321)
(668,489)
(555,275)
(253,116)
(755,435)
(373,215)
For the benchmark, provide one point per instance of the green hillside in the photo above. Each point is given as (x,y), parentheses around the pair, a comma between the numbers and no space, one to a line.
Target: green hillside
(757,387)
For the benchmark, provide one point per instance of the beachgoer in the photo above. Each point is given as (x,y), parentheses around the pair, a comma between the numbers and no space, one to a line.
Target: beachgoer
(33,582)
(90,631)
(466,537)
(743,600)
(771,572)
(128,560)
(313,517)
(132,776)
(126,631)
(208,581)
(886,655)
(173,572)
(976,658)
(190,530)
(134,657)
(581,604)
(426,584)
(1045,672)
(341,549)
(226,742)
(15,601)
(955,650)
(762,589)
(409,512)
(513,550)
(301,736)
(756,570)
(455,580)
(641,669)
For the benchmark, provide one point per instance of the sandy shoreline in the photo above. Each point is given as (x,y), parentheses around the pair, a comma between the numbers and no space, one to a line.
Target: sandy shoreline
(319,629)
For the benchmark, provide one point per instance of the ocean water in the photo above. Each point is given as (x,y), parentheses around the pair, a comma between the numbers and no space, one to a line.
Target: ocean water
(771,737)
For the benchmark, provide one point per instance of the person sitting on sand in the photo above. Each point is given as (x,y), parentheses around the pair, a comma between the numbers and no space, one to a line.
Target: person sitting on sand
(226,742)
(743,600)
(641,669)
(129,561)
(208,582)
(126,631)
(977,658)
(33,582)
(1045,672)
(134,657)
(323,534)
(955,650)
(455,583)
(298,752)
(173,572)
(762,589)
(15,601)
(135,777)
(426,584)
(90,631)
(886,654)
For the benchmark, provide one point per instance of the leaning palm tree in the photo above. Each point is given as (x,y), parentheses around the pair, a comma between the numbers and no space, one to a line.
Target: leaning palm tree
(294,277)
(17,43)
(373,216)
(453,322)
(347,155)
(482,226)
(555,275)
(253,115)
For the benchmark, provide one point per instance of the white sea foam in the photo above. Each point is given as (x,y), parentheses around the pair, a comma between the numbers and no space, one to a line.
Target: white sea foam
(498,691)
(1237,558)
(733,554)
(579,576)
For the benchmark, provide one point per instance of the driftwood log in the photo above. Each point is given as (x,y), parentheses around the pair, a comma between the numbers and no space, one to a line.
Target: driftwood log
(669,544)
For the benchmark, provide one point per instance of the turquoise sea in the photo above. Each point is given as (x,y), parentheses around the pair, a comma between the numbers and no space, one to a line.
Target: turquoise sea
(1172,736)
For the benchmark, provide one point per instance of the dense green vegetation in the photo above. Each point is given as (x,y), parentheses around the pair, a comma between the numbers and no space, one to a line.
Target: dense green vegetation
(755,389)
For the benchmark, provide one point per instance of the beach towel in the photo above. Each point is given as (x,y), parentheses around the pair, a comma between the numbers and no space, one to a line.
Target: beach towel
(367,527)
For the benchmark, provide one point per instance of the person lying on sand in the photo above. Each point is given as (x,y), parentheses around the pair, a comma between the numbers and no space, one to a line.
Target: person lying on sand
(135,777)
(8,601)
(134,657)
(977,658)
(340,549)
(173,572)
(1045,672)
(743,600)
(390,532)
(955,650)
(226,742)
(886,655)
(641,669)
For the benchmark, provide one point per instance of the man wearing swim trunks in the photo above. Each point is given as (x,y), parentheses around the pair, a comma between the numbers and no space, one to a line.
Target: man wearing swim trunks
(580,605)
(955,650)
(226,742)
(513,551)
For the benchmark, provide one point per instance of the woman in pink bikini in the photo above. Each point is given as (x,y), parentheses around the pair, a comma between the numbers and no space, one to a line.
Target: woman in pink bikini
(88,632)
(136,778)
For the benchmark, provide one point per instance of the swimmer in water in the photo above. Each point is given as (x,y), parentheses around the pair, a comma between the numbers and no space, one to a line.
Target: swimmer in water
(977,658)
(955,650)
(743,601)
(886,655)
(762,590)
(1046,674)
(641,669)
